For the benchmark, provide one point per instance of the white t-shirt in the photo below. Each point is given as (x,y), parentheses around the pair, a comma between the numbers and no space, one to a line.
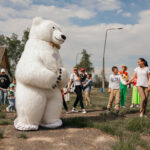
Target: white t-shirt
(142,76)
(114,81)
(75,79)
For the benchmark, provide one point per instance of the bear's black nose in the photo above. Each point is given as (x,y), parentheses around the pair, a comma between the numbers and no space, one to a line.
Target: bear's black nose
(63,37)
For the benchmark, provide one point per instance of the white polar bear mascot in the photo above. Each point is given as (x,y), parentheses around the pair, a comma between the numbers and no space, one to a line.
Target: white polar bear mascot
(40,76)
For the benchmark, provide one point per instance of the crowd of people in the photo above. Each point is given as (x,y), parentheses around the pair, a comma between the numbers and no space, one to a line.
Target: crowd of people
(82,82)
(7,91)
(118,82)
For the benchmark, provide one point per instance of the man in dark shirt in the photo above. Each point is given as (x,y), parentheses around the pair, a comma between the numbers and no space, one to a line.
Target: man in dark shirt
(4,83)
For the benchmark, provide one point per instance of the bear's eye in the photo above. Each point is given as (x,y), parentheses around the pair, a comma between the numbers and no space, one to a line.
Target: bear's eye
(53,27)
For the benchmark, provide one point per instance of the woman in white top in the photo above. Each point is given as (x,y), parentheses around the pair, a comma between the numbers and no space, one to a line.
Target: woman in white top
(75,77)
(143,83)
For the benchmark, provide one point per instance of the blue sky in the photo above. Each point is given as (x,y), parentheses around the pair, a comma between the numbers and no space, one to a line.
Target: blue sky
(85,22)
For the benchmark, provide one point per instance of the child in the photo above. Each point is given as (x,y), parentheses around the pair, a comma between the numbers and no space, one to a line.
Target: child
(123,87)
(114,89)
(87,88)
(135,95)
(11,97)
(64,103)
(66,95)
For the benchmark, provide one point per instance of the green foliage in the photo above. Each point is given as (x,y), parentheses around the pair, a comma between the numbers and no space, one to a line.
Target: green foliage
(97,81)
(2,115)
(14,47)
(1,133)
(22,135)
(85,62)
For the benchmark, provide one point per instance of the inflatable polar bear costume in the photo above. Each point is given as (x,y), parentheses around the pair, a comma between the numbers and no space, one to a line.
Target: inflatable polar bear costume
(40,76)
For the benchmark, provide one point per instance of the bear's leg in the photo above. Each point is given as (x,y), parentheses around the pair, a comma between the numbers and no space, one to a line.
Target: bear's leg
(51,118)
(30,106)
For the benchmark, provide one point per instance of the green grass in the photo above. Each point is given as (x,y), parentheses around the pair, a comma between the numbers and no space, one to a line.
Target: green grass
(2,115)
(4,122)
(139,125)
(128,128)
(22,135)
(1,133)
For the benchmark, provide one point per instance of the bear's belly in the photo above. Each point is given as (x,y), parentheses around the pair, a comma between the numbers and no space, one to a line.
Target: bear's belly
(52,61)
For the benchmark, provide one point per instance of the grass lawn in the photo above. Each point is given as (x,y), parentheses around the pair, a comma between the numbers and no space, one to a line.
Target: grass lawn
(131,131)
(129,128)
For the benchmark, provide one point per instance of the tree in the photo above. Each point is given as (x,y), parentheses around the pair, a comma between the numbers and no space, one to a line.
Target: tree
(85,62)
(14,47)
(97,81)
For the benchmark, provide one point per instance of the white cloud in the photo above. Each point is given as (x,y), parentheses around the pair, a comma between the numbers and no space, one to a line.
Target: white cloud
(119,11)
(126,14)
(144,17)
(101,5)
(122,45)
(6,12)
(20,3)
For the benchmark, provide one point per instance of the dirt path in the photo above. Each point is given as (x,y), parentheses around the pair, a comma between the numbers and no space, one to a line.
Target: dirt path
(60,139)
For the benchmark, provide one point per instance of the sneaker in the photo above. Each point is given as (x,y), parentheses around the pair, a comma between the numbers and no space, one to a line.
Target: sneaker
(123,106)
(84,111)
(145,116)
(137,106)
(141,115)
(13,111)
(108,109)
(7,109)
(117,113)
(131,106)
(74,110)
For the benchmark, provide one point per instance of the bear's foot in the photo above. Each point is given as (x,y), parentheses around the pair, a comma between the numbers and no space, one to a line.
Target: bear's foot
(24,127)
(53,125)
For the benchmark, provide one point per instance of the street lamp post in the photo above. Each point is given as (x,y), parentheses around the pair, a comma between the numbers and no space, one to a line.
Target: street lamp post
(103,63)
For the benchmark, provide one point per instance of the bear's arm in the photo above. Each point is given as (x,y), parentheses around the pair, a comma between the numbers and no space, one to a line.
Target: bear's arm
(36,75)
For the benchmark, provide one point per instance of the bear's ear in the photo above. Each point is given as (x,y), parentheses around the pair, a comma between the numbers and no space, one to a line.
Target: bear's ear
(37,20)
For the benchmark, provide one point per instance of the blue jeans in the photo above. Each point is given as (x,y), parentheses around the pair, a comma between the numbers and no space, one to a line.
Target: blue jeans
(11,104)
(3,97)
